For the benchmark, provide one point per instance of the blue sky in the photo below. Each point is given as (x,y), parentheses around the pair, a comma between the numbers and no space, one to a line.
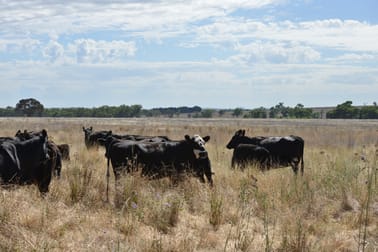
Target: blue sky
(214,54)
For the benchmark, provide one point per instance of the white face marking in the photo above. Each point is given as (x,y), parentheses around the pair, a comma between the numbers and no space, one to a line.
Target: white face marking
(201,152)
(199,140)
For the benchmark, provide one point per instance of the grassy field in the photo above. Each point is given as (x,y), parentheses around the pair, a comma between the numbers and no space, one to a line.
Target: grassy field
(333,207)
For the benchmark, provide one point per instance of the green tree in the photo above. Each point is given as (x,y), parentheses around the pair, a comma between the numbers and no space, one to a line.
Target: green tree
(258,113)
(300,111)
(369,112)
(345,111)
(222,112)
(279,111)
(237,112)
(29,107)
(207,113)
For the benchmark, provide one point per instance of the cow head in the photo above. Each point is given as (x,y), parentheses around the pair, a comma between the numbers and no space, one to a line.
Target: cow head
(25,135)
(45,151)
(236,139)
(198,145)
(87,131)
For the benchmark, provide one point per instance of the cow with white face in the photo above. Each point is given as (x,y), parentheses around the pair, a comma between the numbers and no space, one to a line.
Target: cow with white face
(198,145)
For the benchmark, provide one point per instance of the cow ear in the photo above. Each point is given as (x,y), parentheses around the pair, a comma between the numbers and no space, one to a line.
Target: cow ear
(18,132)
(44,133)
(91,128)
(243,133)
(187,137)
(83,128)
(206,138)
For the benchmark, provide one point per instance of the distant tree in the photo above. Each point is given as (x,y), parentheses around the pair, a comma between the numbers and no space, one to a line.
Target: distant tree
(221,112)
(237,112)
(8,111)
(207,113)
(29,107)
(344,110)
(135,110)
(279,111)
(258,113)
(369,112)
(301,112)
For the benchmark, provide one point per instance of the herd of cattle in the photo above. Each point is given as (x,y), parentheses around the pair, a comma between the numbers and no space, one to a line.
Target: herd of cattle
(31,158)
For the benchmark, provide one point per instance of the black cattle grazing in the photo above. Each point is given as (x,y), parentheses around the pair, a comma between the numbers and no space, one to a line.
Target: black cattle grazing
(55,156)
(91,137)
(121,151)
(284,150)
(154,155)
(175,157)
(65,151)
(245,154)
(24,162)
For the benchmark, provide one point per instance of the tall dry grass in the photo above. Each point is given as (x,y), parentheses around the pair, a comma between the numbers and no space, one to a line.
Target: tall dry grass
(333,207)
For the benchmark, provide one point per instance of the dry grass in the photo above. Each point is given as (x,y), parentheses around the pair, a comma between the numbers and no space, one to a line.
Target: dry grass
(333,207)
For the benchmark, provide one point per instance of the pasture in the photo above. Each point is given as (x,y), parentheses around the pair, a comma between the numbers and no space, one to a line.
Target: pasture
(333,207)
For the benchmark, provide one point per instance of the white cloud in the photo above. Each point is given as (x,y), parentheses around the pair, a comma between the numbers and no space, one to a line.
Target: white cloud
(91,51)
(53,51)
(16,45)
(143,18)
(258,52)
(353,58)
(348,35)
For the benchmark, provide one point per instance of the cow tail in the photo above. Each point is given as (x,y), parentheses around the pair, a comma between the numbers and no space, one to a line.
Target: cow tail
(107,181)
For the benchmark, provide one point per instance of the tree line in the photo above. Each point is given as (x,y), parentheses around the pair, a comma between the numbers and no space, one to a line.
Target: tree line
(32,107)
(347,111)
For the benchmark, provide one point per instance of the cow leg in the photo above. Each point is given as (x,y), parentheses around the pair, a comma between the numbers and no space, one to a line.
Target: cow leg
(208,173)
(58,166)
(302,166)
(44,182)
(263,163)
(233,161)
(295,165)
(242,165)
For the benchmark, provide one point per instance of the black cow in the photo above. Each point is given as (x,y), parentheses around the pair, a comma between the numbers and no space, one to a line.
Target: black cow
(156,154)
(142,138)
(284,150)
(120,151)
(24,162)
(175,157)
(64,150)
(245,154)
(91,137)
(55,156)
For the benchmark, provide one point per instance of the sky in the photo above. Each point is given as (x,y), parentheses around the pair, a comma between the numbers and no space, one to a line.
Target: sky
(209,53)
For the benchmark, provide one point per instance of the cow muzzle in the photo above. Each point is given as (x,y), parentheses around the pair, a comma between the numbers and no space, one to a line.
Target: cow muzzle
(200,154)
